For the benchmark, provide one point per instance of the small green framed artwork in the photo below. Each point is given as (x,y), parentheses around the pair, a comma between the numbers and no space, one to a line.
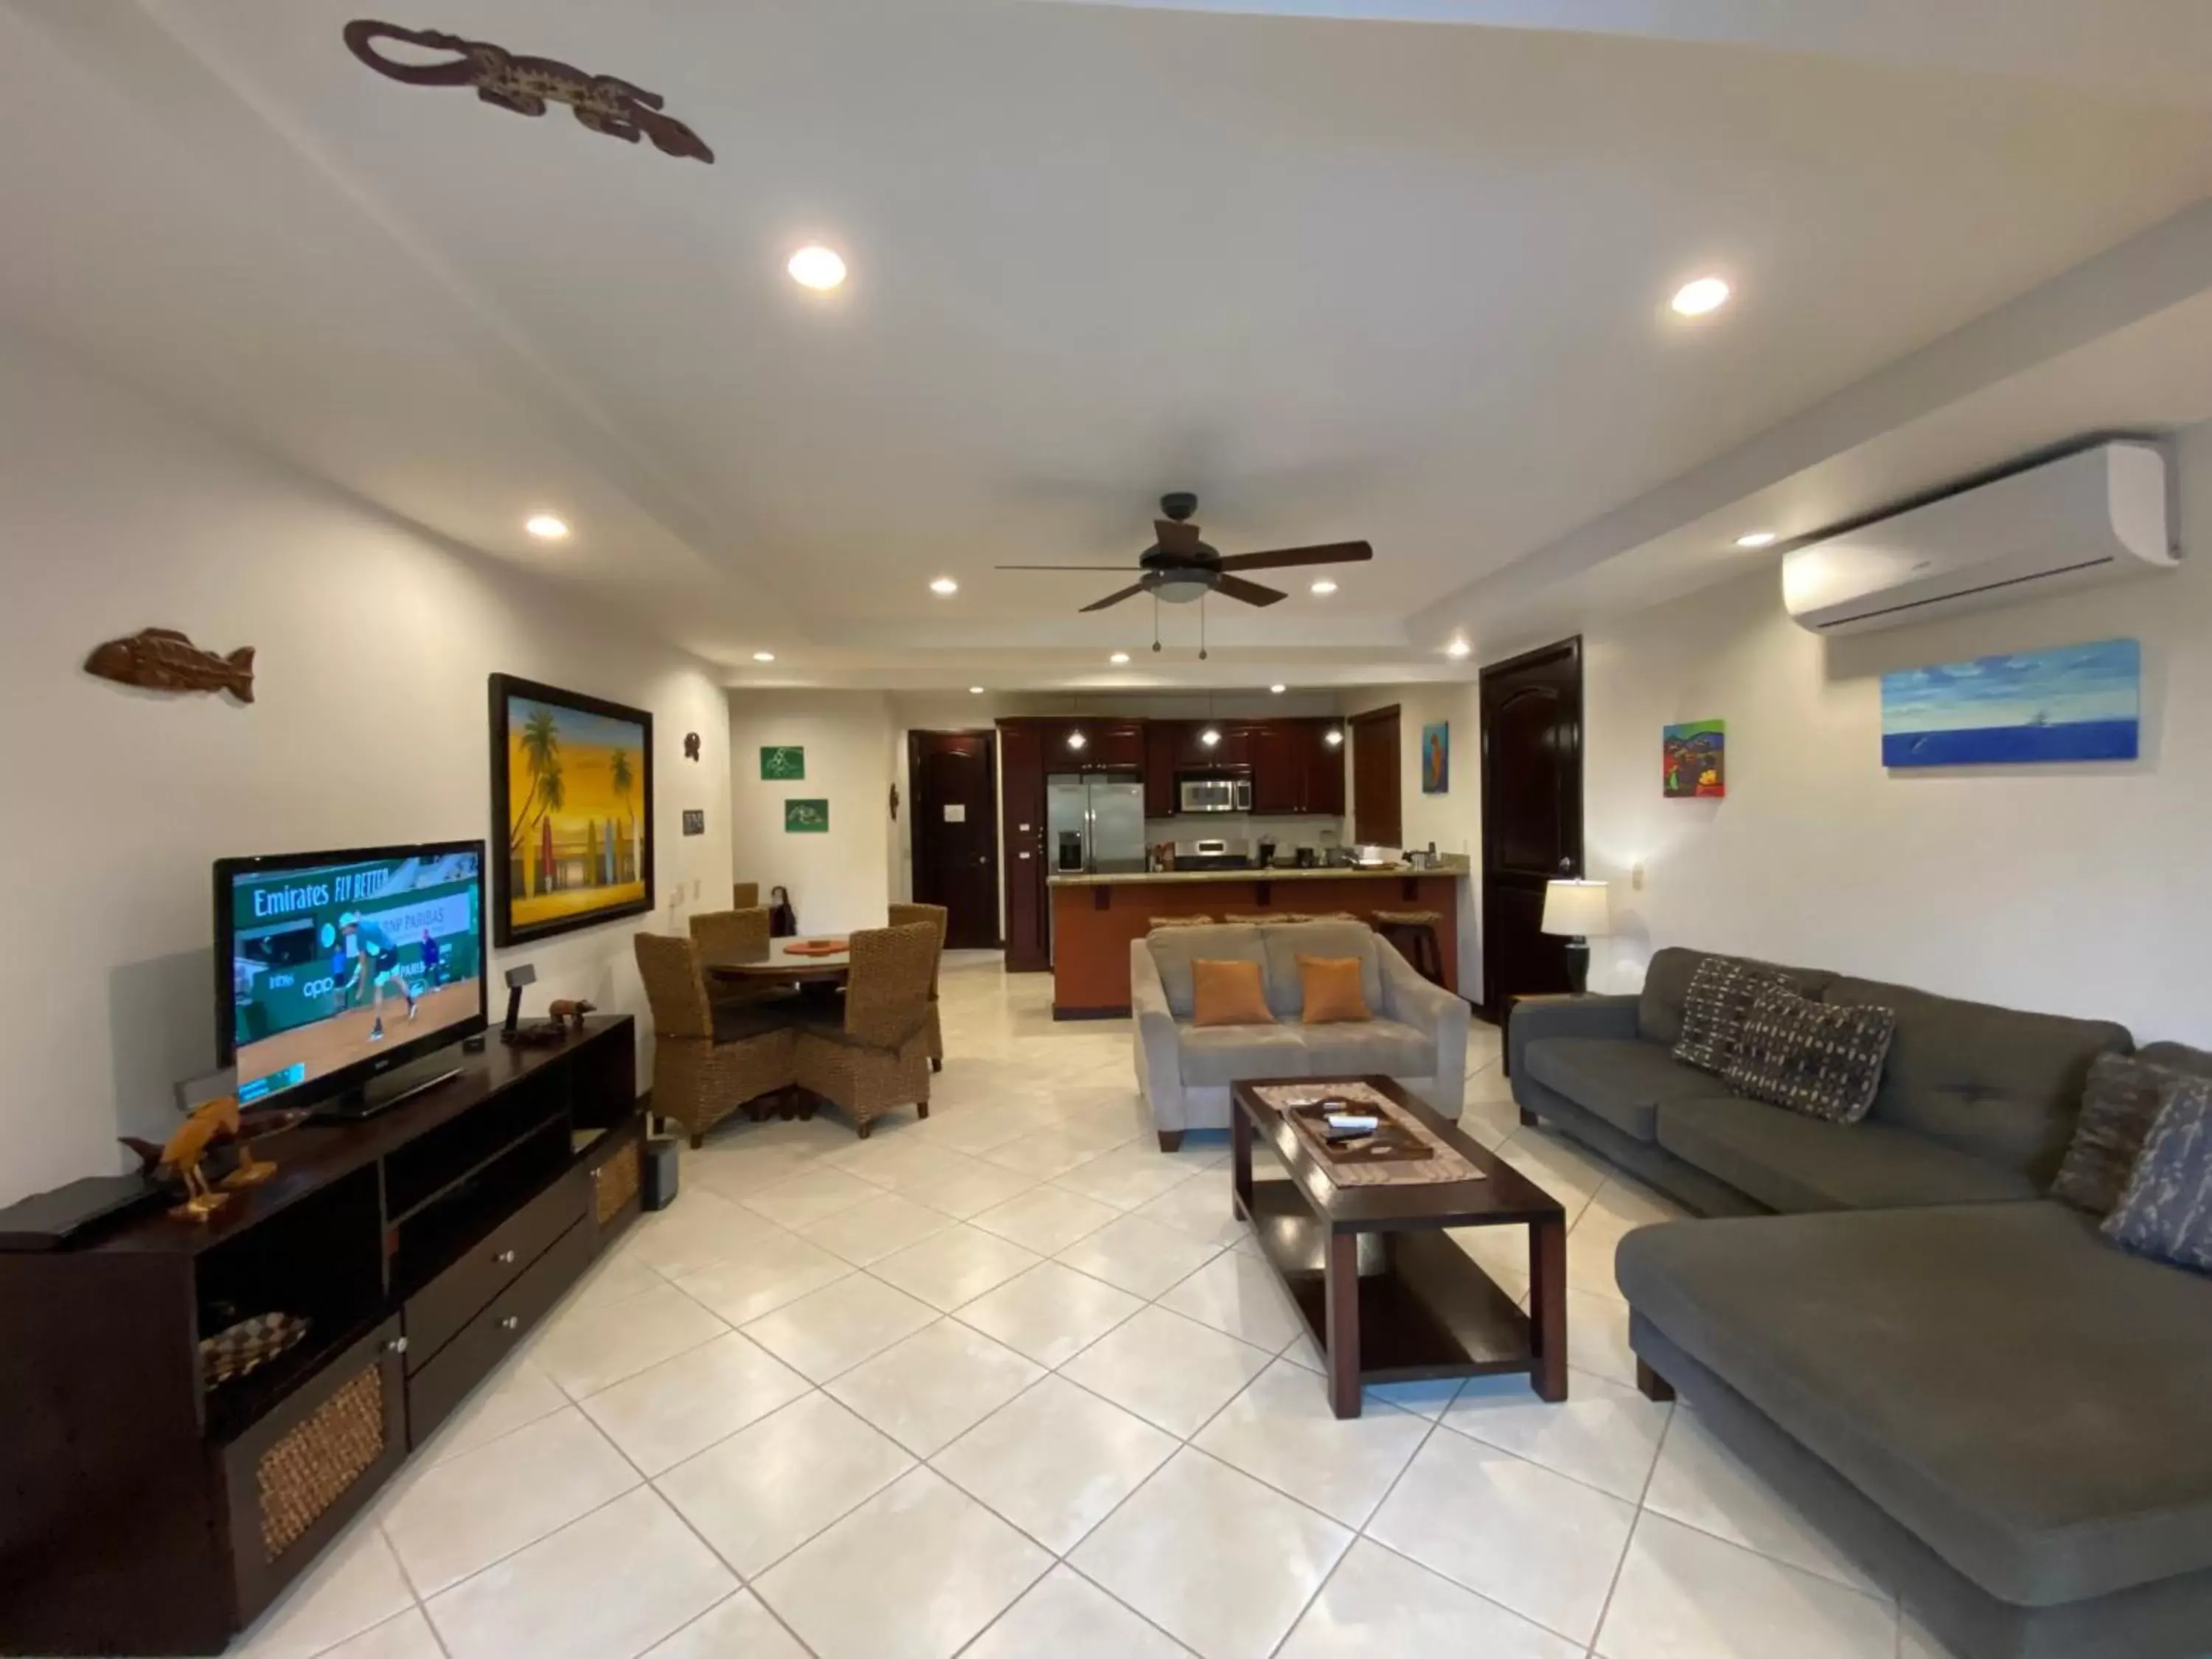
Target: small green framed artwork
(806,817)
(782,764)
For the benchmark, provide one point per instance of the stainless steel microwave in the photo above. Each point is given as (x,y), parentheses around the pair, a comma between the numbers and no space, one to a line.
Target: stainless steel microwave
(1217,794)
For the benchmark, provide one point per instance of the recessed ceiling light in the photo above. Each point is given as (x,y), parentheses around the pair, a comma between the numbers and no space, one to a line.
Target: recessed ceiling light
(1118,658)
(1756,538)
(1324,587)
(816,266)
(764,656)
(545,526)
(1700,298)
(944,585)
(1458,647)
(975,690)
(1279,690)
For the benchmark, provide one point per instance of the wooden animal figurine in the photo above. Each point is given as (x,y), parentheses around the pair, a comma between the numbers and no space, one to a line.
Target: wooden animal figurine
(187,1149)
(162,660)
(603,103)
(571,1014)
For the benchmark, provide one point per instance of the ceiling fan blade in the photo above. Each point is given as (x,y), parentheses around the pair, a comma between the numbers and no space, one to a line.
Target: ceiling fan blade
(1236,587)
(1173,533)
(1334,553)
(1128,592)
(1059,566)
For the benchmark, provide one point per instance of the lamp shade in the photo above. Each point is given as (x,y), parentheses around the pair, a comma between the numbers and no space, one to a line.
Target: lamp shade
(1577,908)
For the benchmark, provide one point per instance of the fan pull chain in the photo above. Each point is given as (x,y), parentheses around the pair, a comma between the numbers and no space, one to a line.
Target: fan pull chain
(1201,627)
(1156,622)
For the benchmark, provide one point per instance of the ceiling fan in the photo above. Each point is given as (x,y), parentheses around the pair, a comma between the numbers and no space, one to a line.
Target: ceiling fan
(1179,568)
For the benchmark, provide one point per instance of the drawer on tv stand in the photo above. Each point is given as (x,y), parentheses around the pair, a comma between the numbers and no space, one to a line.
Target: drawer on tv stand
(435,1389)
(437,1312)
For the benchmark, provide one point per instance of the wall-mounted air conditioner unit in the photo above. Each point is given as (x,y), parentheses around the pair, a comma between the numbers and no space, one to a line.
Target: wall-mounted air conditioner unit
(2085,518)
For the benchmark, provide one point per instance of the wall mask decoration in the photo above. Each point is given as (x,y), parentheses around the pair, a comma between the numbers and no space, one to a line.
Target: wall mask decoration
(690,746)
(2077,702)
(162,660)
(605,103)
(572,792)
(1694,760)
(806,817)
(694,821)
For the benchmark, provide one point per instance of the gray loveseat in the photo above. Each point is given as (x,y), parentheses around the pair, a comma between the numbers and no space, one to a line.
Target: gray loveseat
(1417,1035)
(2000,1414)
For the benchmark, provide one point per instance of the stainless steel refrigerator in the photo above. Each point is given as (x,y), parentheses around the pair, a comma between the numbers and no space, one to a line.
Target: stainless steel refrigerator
(1094,824)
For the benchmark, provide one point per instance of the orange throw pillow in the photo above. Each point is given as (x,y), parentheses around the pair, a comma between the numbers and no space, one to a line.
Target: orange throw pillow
(1228,994)
(1332,987)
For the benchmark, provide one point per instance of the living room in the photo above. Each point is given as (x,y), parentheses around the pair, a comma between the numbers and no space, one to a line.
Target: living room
(1058,514)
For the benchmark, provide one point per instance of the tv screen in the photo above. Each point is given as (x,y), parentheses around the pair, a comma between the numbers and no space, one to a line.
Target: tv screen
(342,965)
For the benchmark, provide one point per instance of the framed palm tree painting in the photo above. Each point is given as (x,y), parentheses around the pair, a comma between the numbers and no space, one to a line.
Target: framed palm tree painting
(572,788)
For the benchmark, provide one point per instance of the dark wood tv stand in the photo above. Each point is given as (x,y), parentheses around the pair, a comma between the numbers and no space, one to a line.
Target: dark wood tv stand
(143,1513)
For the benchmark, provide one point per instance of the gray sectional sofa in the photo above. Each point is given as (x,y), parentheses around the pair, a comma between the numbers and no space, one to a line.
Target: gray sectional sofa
(1419,1034)
(2002,1415)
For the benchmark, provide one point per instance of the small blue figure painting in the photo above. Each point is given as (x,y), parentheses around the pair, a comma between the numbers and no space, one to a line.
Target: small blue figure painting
(2075,702)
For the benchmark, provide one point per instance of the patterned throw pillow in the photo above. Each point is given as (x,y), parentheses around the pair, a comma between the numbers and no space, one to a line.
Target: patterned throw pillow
(1821,1059)
(1715,1007)
(2166,1211)
(2119,1104)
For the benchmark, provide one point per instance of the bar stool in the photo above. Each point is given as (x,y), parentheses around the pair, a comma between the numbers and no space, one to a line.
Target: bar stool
(1414,934)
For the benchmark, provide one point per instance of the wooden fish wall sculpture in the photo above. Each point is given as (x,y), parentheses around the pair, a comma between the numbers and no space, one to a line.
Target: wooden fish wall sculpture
(525,85)
(162,660)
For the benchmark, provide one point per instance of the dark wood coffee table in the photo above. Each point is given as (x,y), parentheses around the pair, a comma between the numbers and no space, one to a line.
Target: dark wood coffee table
(1424,1308)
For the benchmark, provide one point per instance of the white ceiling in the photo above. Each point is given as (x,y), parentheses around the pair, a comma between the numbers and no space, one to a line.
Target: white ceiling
(1341,276)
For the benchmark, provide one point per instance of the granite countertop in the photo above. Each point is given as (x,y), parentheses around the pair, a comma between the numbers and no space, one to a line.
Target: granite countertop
(1451,864)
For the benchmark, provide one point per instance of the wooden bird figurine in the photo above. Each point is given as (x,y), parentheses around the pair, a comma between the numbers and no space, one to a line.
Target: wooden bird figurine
(187,1149)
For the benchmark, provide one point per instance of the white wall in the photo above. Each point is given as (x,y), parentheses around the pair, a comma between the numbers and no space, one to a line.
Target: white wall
(1453,820)
(2076,889)
(843,879)
(368,726)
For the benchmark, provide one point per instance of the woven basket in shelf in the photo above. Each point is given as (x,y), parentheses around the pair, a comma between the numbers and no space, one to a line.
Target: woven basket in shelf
(248,1346)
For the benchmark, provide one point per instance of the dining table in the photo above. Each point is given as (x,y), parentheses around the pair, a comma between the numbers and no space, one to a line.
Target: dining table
(779,965)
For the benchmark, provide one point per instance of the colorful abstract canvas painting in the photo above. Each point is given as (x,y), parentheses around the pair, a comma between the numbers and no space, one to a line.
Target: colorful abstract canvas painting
(2074,702)
(1694,759)
(1436,758)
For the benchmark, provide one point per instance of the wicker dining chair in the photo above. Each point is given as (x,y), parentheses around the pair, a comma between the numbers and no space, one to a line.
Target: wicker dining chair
(709,1058)
(744,894)
(936,916)
(870,1054)
(739,935)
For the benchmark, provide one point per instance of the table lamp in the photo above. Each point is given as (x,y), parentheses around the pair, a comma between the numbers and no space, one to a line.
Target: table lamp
(1579,910)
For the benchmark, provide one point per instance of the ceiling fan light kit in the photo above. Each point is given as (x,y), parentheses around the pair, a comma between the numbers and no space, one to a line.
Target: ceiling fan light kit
(1179,568)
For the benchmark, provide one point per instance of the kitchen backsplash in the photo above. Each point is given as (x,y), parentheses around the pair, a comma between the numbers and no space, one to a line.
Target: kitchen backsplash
(1287,833)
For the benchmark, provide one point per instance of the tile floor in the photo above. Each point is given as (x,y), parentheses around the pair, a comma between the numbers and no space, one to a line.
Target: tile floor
(1013,1384)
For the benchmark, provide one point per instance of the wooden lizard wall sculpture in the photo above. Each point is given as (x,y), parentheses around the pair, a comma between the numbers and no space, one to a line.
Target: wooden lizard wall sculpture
(525,85)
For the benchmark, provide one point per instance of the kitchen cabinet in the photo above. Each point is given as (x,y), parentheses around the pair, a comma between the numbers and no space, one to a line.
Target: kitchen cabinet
(1279,773)
(1160,739)
(1321,767)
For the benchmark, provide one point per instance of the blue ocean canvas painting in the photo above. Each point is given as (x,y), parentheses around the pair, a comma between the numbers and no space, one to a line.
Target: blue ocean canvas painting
(2075,702)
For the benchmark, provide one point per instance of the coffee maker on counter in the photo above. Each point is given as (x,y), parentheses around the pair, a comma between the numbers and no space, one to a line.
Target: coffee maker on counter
(1263,855)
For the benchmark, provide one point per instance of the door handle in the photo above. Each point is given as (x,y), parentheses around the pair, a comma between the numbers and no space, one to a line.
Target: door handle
(505,1258)
(512,1322)
(1566,866)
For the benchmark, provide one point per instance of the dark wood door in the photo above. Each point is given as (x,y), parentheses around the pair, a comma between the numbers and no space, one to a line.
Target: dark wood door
(1119,746)
(1021,760)
(1375,798)
(1532,815)
(1161,738)
(1275,770)
(954,798)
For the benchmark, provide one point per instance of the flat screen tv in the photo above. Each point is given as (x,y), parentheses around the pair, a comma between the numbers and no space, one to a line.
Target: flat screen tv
(334,967)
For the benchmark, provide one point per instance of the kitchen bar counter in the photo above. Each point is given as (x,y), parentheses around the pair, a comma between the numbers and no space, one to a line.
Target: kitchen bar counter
(1095,918)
